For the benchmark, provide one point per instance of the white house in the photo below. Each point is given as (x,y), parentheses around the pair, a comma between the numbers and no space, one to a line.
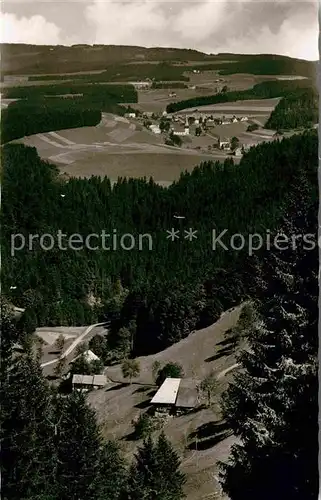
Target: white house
(131,115)
(244,119)
(178,131)
(224,143)
(155,129)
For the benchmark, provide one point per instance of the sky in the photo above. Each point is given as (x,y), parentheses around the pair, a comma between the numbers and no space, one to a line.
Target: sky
(212,26)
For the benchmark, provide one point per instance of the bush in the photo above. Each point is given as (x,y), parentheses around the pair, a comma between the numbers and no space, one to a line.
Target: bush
(171,370)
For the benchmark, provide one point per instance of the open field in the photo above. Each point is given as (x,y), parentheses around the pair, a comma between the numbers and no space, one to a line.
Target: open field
(117,148)
(118,404)
(121,147)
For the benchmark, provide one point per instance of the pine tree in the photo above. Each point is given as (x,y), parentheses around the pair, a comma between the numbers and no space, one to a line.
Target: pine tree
(155,473)
(144,474)
(272,404)
(78,449)
(112,476)
(27,451)
(172,479)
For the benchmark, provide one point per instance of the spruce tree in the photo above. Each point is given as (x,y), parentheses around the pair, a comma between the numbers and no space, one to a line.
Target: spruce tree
(78,449)
(272,404)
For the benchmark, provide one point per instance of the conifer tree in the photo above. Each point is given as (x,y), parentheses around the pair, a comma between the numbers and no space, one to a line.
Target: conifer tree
(78,449)
(272,404)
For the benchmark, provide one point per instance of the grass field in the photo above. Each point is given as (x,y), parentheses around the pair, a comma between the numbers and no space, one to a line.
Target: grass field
(117,405)
(118,148)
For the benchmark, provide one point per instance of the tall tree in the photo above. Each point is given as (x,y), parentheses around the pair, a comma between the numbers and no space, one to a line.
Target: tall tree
(130,369)
(272,404)
(78,449)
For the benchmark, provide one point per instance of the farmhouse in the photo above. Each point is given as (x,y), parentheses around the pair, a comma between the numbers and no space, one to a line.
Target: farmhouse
(88,382)
(155,129)
(130,115)
(179,131)
(176,396)
(224,143)
(238,152)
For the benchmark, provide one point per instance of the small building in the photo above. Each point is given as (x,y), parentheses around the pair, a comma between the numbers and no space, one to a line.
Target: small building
(176,396)
(82,382)
(244,119)
(238,152)
(130,115)
(165,397)
(88,382)
(155,129)
(224,143)
(181,132)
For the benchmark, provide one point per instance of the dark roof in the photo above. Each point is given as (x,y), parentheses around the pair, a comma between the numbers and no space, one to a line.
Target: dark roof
(187,396)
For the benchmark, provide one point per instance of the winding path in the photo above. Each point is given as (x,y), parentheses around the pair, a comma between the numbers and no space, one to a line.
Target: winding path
(76,342)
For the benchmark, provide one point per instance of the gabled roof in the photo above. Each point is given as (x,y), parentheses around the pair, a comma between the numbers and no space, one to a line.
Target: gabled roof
(167,393)
(88,355)
(82,379)
(99,380)
(187,393)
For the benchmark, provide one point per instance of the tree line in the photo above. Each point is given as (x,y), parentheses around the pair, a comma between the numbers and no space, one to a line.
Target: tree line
(117,93)
(152,298)
(297,110)
(264,90)
(56,107)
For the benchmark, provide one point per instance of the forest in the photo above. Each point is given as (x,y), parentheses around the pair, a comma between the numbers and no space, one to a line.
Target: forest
(32,117)
(264,90)
(43,109)
(298,110)
(93,93)
(52,446)
(169,291)
(126,72)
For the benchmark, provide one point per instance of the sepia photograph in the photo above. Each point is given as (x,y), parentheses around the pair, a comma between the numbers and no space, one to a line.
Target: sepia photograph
(159,250)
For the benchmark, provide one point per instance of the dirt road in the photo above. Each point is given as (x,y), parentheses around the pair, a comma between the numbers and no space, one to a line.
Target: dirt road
(73,346)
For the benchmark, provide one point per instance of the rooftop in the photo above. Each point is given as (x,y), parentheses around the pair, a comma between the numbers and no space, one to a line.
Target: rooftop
(88,355)
(99,380)
(187,393)
(167,393)
(82,379)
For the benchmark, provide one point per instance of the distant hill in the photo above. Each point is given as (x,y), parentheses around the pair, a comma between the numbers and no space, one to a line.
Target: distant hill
(24,59)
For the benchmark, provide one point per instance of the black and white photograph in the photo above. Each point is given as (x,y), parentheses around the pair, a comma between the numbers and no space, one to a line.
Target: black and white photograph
(159,250)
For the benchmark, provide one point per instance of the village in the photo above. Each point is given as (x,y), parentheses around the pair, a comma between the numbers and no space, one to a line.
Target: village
(206,131)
